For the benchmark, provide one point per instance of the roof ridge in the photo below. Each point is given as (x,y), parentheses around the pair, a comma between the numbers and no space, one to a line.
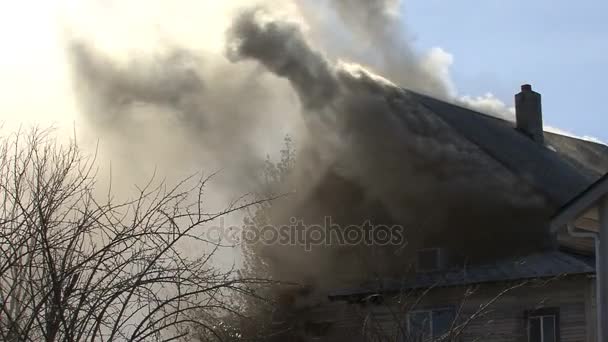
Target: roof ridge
(456,104)
(509,122)
(536,164)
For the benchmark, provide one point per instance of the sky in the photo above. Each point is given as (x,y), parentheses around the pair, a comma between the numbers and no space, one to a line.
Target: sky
(560,47)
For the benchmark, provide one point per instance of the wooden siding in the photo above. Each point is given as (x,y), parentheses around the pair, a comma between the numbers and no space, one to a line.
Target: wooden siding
(504,321)
(588,222)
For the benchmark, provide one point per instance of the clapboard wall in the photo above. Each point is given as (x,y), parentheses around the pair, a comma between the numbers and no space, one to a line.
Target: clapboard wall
(493,314)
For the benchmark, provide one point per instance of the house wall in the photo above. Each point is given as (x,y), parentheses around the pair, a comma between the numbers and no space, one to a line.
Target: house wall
(507,321)
(502,321)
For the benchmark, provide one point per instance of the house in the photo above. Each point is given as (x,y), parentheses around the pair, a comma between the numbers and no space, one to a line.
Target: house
(585,217)
(531,279)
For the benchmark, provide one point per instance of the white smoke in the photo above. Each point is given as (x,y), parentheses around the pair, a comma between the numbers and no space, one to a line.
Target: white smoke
(489,104)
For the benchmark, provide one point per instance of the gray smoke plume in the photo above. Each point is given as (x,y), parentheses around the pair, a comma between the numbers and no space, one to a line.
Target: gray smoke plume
(367,114)
(281,47)
(177,113)
(371,134)
(180,107)
(186,108)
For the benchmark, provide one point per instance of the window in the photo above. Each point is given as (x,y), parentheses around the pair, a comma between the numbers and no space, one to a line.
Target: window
(429,259)
(543,325)
(425,325)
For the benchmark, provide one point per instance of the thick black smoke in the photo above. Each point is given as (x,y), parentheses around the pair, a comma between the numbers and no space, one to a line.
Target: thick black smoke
(368,116)
(281,47)
(375,138)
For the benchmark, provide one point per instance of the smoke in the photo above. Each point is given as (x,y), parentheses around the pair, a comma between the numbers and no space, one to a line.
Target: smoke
(183,104)
(180,110)
(362,114)
(488,103)
(181,107)
(281,47)
(373,33)
(371,134)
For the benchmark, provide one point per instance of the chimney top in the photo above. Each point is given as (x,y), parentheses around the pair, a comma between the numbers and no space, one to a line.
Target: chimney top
(528,113)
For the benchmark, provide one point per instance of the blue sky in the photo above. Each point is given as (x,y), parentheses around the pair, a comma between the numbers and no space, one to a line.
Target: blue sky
(560,47)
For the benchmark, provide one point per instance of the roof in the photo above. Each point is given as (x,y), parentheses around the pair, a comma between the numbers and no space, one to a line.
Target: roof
(580,203)
(560,169)
(586,156)
(534,266)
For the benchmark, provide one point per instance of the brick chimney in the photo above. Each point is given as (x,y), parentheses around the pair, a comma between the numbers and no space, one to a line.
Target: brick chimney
(529,114)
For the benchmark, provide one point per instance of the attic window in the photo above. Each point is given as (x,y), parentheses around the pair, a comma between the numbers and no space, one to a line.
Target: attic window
(429,260)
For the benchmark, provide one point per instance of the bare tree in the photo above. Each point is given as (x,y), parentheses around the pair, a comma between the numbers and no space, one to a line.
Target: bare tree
(74,267)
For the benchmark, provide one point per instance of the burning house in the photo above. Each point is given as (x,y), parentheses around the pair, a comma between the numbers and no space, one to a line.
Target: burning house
(550,287)
(481,260)
(476,194)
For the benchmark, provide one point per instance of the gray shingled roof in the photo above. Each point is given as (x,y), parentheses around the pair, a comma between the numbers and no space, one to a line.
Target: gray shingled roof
(534,266)
(560,169)
(586,156)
